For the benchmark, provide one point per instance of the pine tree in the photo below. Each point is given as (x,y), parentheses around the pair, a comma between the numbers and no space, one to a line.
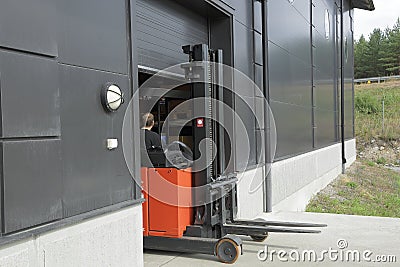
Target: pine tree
(376,68)
(380,55)
(390,55)
(361,64)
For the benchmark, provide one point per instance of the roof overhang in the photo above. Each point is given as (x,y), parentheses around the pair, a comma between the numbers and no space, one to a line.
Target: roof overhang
(363,4)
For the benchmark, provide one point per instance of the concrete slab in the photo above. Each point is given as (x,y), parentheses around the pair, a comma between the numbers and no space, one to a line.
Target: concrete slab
(154,258)
(378,235)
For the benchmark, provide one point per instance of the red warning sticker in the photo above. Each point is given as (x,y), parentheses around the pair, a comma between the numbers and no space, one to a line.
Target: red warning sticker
(200,123)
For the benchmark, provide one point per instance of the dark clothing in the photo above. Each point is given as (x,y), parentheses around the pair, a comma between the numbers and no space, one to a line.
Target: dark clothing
(152,154)
(151,139)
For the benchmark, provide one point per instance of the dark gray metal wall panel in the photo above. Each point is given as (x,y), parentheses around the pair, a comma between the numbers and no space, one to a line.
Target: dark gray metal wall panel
(290,71)
(243,61)
(293,129)
(303,8)
(221,38)
(325,122)
(163,27)
(228,3)
(325,97)
(318,19)
(32,183)
(289,77)
(260,137)
(243,11)
(258,48)
(259,79)
(93,176)
(348,112)
(1,188)
(245,108)
(259,103)
(29,96)
(29,25)
(243,45)
(257,16)
(348,71)
(324,54)
(289,29)
(92,33)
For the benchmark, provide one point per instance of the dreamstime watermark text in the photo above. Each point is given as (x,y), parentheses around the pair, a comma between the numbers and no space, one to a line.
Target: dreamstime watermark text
(340,254)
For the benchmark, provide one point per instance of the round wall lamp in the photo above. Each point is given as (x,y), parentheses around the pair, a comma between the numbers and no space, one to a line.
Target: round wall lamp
(111,97)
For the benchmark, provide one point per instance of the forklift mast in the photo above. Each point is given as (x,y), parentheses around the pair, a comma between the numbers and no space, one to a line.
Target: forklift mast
(205,73)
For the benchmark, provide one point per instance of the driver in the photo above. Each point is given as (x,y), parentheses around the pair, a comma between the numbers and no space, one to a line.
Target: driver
(152,139)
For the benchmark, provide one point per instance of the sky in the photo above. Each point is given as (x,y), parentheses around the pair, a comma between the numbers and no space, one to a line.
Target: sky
(385,14)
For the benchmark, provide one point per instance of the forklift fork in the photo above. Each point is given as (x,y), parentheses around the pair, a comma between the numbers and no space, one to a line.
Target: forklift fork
(262,222)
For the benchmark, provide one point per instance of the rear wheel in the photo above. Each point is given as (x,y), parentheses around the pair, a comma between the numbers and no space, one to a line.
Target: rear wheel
(227,250)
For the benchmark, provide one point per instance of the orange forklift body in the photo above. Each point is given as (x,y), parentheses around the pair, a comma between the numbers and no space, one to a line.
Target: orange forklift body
(168,193)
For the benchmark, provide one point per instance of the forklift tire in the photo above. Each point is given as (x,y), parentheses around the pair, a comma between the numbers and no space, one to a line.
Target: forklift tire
(227,251)
(259,238)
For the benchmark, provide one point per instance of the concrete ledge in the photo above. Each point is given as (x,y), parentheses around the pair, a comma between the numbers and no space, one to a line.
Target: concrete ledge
(250,196)
(299,200)
(351,152)
(296,180)
(113,239)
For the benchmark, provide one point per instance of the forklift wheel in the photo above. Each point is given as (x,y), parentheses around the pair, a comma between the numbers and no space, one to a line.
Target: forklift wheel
(259,238)
(227,250)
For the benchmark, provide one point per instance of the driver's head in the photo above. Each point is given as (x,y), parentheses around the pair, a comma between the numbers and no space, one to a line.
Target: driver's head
(148,120)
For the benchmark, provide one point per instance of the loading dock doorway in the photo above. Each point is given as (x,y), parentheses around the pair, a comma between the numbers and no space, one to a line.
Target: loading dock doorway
(162,28)
(162,107)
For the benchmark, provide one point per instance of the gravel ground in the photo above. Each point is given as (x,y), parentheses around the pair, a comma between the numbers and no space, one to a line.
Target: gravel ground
(378,150)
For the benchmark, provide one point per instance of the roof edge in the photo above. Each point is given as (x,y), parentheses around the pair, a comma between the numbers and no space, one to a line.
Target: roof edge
(363,4)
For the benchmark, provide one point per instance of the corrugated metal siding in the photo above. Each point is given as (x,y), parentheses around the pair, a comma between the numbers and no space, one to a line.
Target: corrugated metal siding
(163,27)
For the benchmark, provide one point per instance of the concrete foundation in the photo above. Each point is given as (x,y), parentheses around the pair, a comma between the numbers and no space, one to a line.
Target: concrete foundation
(114,239)
(294,181)
(250,190)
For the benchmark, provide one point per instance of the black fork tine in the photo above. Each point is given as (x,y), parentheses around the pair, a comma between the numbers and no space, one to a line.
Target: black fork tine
(276,223)
(261,230)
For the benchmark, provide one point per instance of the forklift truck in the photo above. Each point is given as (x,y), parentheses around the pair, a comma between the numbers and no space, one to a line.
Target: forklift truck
(204,223)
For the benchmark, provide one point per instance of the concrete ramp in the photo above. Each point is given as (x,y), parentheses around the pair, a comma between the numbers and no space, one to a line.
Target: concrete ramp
(347,241)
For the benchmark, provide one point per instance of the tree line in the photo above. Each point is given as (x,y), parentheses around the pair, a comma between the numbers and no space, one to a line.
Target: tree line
(379,55)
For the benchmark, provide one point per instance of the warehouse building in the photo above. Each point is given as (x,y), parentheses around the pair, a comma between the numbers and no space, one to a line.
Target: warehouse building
(67,195)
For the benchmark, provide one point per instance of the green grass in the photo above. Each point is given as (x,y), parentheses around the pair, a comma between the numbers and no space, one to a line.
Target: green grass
(368,188)
(381,161)
(368,111)
(351,184)
(365,190)
(398,180)
(371,163)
